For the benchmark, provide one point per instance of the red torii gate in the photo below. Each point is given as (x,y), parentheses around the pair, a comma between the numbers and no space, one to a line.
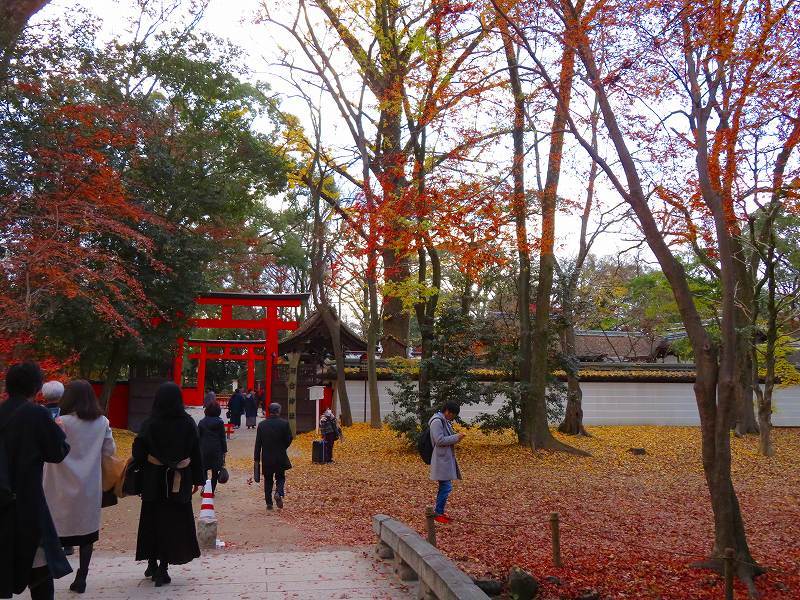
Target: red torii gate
(256,350)
(270,325)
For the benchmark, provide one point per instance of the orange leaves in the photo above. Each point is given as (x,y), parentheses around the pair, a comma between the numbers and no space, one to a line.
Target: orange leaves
(631,525)
(69,218)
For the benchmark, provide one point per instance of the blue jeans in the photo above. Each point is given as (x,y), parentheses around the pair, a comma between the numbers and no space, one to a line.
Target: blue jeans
(445,487)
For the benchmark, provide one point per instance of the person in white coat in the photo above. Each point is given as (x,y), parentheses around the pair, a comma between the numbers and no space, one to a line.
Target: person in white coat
(73,488)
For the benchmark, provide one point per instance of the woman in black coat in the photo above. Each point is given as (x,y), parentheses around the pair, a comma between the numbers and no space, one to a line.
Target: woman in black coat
(250,409)
(30,552)
(213,445)
(168,447)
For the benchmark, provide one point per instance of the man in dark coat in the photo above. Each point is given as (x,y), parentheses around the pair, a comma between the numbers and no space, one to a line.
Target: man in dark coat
(273,437)
(30,552)
(236,408)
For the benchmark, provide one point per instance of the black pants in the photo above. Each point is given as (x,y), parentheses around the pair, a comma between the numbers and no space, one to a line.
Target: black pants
(327,448)
(279,478)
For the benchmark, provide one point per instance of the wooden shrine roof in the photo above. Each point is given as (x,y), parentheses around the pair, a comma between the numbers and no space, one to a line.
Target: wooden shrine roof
(313,334)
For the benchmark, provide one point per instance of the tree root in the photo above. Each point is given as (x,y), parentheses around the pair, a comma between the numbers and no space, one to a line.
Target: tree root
(553,445)
(741,430)
(568,430)
(746,572)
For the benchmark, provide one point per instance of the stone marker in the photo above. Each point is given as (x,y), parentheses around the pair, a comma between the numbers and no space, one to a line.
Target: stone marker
(207,533)
(522,585)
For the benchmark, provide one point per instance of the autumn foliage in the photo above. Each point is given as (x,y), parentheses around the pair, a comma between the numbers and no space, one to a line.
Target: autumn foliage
(631,525)
(63,225)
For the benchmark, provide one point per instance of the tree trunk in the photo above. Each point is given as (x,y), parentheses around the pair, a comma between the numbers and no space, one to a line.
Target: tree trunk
(392,180)
(426,333)
(765,445)
(320,294)
(542,438)
(112,375)
(372,342)
(395,318)
(467,297)
(424,380)
(745,407)
(14,16)
(333,323)
(573,415)
(520,209)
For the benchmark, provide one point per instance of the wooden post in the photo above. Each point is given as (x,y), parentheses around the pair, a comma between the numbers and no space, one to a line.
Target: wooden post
(555,533)
(291,385)
(431,526)
(729,570)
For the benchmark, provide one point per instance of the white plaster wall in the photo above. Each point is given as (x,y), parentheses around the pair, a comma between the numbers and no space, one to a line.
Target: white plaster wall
(609,403)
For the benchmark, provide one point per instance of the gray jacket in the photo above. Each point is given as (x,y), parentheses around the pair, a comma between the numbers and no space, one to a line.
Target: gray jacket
(444,466)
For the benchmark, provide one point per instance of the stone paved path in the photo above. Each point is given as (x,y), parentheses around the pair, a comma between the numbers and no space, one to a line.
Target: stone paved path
(351,575)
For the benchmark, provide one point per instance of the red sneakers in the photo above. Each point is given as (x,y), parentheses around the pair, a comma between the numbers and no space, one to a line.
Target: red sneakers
(443,519)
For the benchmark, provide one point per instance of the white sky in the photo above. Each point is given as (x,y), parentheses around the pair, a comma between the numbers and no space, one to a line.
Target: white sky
(233,19)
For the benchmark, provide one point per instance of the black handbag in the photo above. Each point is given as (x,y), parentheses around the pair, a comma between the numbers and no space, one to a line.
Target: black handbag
(223,476)
(109,499)
(132,479)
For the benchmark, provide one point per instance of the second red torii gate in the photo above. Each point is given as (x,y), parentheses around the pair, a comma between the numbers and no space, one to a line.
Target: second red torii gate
(202,355)
(271,324)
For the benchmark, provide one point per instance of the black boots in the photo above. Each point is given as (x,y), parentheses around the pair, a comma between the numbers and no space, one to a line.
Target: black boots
(41,586)
(162,576)
(79,585)
(158,572)
(152,568)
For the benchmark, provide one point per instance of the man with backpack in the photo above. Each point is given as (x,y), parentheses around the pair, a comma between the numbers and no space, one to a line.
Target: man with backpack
(30,554)
(444,467)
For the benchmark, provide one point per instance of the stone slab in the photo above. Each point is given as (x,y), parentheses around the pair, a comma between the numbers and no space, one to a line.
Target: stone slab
(352,574)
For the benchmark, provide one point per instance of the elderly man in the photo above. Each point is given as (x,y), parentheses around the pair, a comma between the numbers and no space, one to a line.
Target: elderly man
(273,437)
(52,392)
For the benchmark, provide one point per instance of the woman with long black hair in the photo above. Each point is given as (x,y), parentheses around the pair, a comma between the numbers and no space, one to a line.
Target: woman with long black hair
(73,487)
(168,447)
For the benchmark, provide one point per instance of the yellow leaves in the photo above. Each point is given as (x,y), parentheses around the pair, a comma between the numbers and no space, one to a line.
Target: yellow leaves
(124,440)
(409,290)
(785,371)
